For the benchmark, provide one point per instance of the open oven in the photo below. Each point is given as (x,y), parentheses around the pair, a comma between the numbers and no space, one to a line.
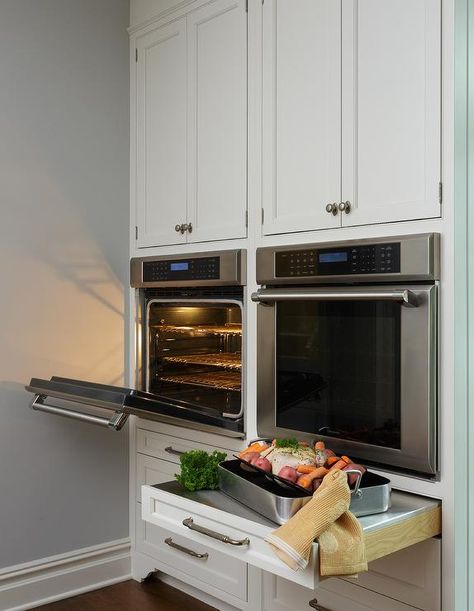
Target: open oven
(348,348)
(189,350)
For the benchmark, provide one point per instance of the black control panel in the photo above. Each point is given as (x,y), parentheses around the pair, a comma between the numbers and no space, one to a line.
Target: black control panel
(203,268)
(339,261)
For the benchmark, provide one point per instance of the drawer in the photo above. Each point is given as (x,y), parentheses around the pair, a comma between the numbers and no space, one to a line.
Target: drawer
(166,447)
(153,471)
(168,511)
(412,575)
(333,595)
(216,569)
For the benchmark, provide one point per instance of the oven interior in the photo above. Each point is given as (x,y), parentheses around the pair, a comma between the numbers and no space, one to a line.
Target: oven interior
(195,354)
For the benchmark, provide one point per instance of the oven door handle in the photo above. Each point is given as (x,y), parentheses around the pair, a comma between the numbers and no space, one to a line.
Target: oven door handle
(116,421)
(403,296)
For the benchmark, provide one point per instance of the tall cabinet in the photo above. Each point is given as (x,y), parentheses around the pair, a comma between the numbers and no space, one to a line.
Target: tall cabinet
(191,127)
(351,112)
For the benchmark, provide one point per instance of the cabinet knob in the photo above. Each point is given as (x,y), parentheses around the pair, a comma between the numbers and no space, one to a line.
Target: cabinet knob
(189,227)
(178,228)
(314,605)
(345,207)
(331,209)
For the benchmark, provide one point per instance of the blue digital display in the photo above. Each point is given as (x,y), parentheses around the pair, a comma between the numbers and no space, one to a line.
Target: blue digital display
(179,267)
(333,257)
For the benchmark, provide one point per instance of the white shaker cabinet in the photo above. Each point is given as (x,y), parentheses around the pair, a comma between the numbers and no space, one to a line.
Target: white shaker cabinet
(191,122)
(301,172)
(391,110)
(161,134)
(351,112)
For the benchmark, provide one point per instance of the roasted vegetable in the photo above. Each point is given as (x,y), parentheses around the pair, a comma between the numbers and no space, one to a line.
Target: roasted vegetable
(288,473)
(199,469)
(306,481)
(263,463)
(258,446)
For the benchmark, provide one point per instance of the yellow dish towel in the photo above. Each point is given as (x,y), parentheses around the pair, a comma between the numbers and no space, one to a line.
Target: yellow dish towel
(326,518)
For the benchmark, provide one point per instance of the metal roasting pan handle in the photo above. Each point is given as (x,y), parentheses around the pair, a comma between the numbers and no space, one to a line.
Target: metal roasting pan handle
(189,523)
(116,421)
(403,296)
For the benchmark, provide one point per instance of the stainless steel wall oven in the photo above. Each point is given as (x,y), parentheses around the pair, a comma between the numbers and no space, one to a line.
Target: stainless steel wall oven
(348,347)
(189,348)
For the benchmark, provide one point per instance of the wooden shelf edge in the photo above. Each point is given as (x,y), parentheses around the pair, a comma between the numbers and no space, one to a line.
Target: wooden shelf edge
(391,539)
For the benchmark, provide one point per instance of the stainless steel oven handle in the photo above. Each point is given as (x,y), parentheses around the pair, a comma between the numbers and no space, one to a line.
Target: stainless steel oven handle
(169,541)
(403,296)
(116,421)
(189,523)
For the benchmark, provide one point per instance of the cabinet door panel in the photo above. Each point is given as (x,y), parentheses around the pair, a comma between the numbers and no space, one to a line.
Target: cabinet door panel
(301,114)
(391,109)
(161,135)
(217,115)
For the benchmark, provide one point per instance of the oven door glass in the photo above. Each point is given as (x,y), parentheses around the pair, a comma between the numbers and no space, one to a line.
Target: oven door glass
(338,369)
(195,355)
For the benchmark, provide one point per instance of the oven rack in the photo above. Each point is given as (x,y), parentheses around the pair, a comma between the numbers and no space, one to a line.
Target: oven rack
(223,360)
(202,330)
(222,380)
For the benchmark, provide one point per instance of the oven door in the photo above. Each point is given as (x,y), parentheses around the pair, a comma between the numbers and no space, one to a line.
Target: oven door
(110,406)
(354,366)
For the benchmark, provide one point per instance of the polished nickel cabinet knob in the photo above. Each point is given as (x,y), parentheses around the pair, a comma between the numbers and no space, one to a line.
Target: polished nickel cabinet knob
(345,207)
(331,209)
(314,605)
(184,227)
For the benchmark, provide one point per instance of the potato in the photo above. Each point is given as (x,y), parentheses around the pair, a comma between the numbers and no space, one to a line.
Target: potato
(288,473)
(251,457)
(263,463)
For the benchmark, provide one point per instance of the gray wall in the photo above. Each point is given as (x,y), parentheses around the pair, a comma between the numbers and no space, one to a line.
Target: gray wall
(63,266)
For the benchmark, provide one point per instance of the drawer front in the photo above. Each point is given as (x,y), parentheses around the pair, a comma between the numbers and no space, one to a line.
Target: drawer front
(166,447)
(213,568)
(153,471)
(169,511)
(412,575)
(281,595)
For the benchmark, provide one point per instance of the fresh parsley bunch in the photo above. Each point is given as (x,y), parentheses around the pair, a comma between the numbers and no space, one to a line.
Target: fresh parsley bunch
(199,469)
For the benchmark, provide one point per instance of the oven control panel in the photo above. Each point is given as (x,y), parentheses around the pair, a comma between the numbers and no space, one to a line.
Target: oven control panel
(339,261)
(202,268)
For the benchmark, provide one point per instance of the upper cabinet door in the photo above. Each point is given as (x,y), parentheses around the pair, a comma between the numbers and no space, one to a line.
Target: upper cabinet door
(161,135)
(301,114)
(217,121)
(391,109)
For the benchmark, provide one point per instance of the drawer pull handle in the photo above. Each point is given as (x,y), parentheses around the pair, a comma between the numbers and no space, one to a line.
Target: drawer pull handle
(171,450)
(169,541)
(189,523)
(314,605)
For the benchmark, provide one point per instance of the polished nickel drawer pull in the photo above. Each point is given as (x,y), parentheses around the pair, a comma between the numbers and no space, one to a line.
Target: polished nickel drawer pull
(189,523)
(314,605)
(169,541)
(171,450)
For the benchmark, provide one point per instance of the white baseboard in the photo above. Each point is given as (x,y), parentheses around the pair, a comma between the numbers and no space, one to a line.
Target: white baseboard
(29,585)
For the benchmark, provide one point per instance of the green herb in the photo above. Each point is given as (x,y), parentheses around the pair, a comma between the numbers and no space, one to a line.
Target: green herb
(287,443)
(199,469)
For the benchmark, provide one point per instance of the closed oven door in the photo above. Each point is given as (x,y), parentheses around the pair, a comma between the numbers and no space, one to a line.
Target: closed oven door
(355,366)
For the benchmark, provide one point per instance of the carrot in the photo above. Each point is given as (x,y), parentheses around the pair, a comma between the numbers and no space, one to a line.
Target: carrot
(340,464)
(306,468)
(258,446)
(332,460)
(320,445)
(306,480)
(347,460)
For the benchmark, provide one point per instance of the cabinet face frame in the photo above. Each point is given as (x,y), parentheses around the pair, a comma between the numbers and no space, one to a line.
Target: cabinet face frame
(287,174)
(168,154)
(355,16)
